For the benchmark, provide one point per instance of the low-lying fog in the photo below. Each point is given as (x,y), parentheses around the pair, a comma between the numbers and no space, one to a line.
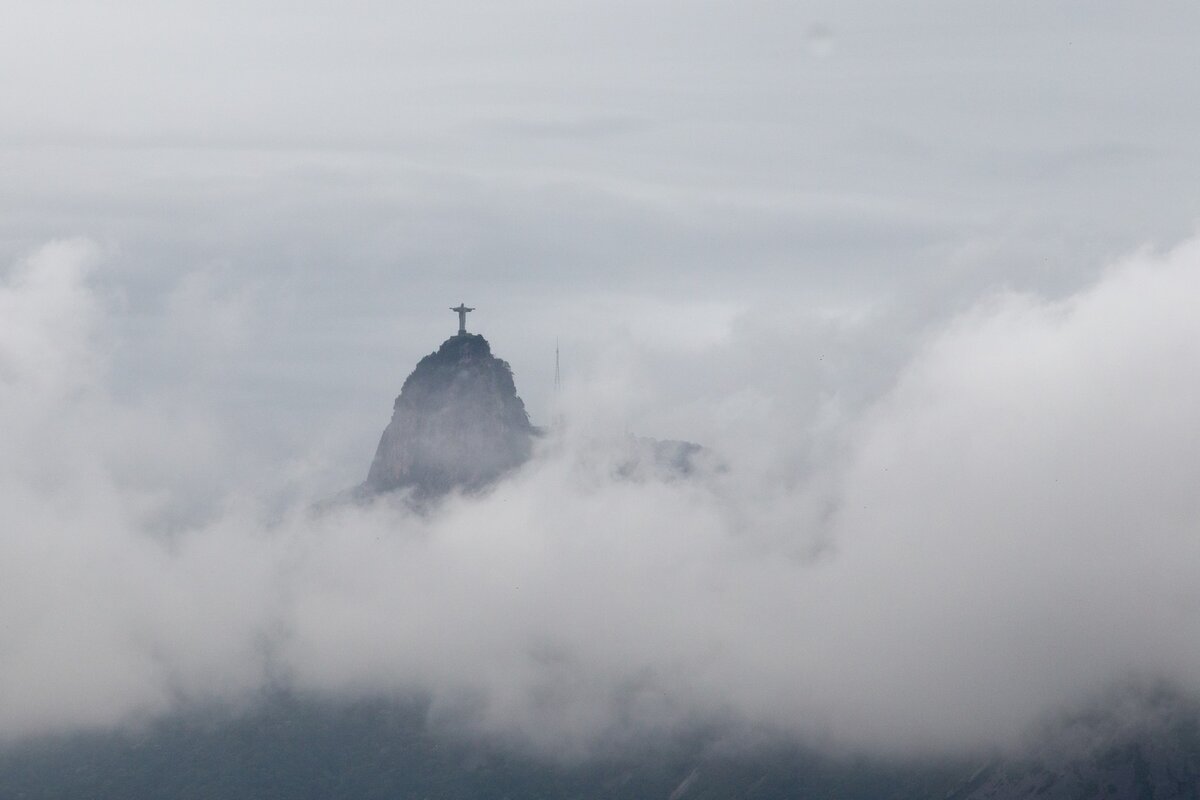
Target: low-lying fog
(1002,531)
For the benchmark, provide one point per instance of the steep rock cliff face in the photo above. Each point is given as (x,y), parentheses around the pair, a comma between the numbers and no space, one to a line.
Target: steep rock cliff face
(457,424)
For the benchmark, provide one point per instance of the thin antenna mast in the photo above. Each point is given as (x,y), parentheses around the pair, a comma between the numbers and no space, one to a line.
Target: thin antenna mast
(557,420)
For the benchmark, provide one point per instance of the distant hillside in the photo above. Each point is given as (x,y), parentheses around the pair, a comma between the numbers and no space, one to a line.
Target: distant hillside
(295,748)
(304,749)
(1133,745)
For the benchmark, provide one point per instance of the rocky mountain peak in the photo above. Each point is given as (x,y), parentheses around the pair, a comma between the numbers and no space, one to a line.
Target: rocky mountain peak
(457,424)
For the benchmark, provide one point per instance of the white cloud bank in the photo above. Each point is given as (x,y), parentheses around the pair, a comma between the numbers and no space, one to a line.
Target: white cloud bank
(1012,527)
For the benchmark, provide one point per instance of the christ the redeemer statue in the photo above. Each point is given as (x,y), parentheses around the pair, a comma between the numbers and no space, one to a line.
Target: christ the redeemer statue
(462,317)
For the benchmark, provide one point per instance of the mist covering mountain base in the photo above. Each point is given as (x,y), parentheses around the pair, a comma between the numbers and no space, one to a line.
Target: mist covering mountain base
(457,424)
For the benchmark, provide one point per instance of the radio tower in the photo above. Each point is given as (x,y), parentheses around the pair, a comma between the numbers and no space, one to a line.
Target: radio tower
(558,417)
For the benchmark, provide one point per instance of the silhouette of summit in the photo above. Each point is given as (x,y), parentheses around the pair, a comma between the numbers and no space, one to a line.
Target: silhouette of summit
(457,424)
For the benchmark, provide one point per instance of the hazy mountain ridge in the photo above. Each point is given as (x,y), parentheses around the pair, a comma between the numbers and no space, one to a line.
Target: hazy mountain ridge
(664,459)
(290,747)
(1138,744)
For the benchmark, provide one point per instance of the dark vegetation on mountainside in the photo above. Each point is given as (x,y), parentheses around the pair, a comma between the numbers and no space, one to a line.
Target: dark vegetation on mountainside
(304,749)
(297,748)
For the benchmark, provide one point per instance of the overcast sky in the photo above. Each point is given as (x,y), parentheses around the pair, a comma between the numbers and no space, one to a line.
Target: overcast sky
(951,242)
(290,196)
